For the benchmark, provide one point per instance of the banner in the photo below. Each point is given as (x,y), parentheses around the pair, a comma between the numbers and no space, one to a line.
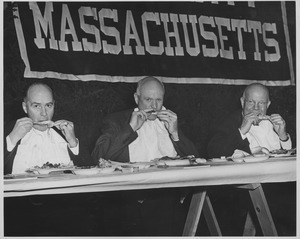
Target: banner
(178,42)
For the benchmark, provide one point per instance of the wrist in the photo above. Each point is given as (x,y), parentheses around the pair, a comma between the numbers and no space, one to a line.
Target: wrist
(73,143)
(13,139)
(175,137)
(284,139)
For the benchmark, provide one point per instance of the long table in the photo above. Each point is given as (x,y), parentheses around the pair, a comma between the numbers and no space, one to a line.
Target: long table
(246,175)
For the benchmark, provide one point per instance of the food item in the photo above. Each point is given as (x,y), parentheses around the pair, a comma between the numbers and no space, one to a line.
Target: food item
(49,165)
(180,161)
(103,163)
(279,151)
(282,152)
(47,123)
(263,117)
(151,115)
(259,118)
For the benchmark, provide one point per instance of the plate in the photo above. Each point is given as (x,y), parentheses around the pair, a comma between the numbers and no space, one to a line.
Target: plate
(86,171)
(251,158)
(50,170)
(106,170)
(282,152)
(174,162)
(139,165)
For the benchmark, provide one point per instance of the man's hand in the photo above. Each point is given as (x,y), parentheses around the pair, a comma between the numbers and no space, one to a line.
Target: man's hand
(67,128)
(137,119)
(248,120)
(279,126)
(21,128)
(170,120)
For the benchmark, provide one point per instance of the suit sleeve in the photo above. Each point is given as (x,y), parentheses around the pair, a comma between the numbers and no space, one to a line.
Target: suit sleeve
(227,138)
(83,158)
(8,156)
(184,146)
(114,141)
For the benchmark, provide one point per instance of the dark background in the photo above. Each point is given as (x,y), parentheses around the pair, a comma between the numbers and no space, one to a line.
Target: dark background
(199,108)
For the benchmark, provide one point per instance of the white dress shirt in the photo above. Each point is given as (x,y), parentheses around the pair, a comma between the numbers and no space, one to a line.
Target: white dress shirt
(39,147)
(263,135)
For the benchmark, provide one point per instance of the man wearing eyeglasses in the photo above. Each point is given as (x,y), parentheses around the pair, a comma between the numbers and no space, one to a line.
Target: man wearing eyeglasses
(251,130)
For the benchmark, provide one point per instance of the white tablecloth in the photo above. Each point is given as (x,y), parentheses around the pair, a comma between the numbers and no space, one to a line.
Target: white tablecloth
(271,170)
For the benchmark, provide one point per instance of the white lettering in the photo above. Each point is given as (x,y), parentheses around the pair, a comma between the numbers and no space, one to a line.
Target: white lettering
(44,22)
(66,18)
(271,42)
(130,25)
(110,31)
(153,50)
(90,29)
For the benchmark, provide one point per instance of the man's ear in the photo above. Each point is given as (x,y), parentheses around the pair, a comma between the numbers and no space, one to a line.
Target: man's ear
(136,98)
(242,102)
(24,107)
(268,104)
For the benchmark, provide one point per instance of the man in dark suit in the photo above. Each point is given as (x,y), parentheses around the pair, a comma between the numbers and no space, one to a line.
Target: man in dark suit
(250,129)
(142,134)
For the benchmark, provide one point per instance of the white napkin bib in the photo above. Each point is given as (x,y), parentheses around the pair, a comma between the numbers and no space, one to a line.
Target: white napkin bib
(38,148)
(263,135)
(153,142)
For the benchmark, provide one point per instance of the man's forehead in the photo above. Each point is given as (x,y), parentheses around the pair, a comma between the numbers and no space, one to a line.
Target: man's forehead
(39,89)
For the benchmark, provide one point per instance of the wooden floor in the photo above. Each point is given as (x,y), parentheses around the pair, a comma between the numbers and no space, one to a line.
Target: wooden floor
(120,214)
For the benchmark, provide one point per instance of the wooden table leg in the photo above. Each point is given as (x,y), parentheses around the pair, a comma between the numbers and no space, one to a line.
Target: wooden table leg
(200,200)
(210,218)
(249,229)
(262,211)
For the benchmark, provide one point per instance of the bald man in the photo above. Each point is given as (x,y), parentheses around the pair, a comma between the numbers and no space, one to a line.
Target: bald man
(35,140)
(142,134)
(250,130)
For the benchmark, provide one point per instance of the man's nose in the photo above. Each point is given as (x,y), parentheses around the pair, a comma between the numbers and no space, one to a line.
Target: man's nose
(154,104)
(43,111)
(256,105)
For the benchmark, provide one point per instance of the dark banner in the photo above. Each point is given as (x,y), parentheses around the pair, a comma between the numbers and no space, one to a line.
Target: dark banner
(178,42)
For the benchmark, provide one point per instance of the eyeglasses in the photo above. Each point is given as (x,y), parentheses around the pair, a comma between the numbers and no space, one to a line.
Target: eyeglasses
(252,103)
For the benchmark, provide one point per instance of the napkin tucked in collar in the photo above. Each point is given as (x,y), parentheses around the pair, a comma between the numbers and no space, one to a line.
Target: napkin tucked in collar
(153,142)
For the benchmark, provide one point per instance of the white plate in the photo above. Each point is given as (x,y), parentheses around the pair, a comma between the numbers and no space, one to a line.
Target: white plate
(250,158)
(49,170)
(86,171)
(106,170)
(139,165)
(174,162)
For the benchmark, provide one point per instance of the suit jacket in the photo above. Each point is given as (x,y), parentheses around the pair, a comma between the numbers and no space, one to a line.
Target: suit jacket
(117,134)
(226,137)
(82,159)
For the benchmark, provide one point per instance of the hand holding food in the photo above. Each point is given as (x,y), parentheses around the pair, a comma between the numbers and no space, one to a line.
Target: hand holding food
(279,126)
(137,119)
(21,128)
(248,120)
(170,120)
(67,128)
